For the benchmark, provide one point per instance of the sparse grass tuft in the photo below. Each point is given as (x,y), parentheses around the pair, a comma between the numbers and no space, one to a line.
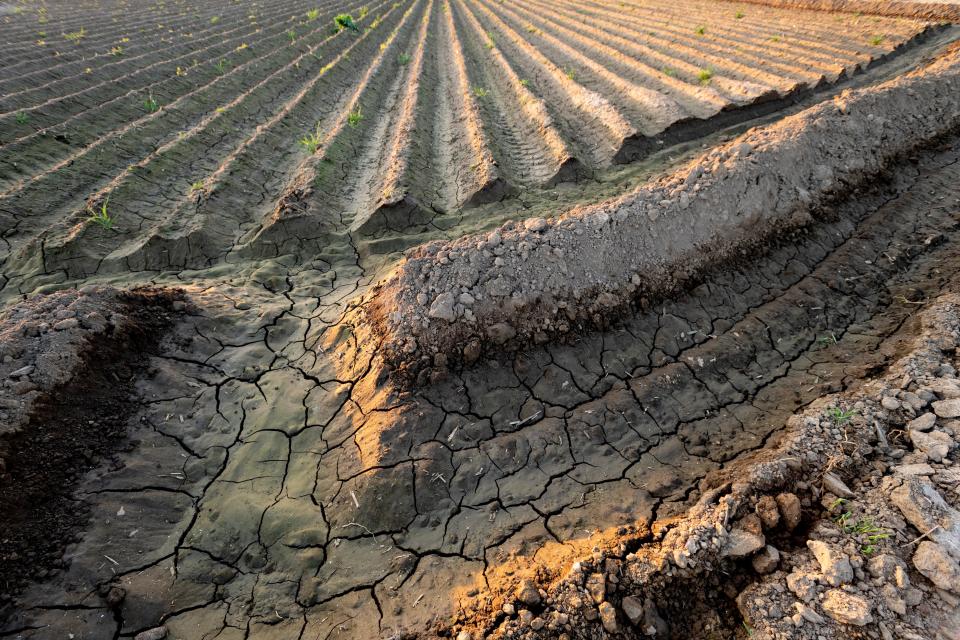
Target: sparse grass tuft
(22,117)
(76,36)
(214,19)
(403,58)
(313,14)
(705,76)
(570,72)
(292,34)
(667,71)
(840,416)
(355,117)
(774,38)
(101,216)
(151,105)
(364,10)
(221,65)
(524,82)
(116,51)
(345,21)
(196,186)
(701,29)
(738,15)
(312,141)
(876,40)
(480,92)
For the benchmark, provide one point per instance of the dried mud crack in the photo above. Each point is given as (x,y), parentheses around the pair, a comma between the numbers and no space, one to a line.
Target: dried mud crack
(250,470)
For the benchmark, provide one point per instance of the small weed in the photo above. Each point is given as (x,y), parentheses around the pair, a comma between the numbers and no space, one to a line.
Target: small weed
(355,117)
(774,38)
(839,502)
(242,46)
(101,216)
(41,43)
(524,82)
(839,416)
(345,21)
(531,29)
(196,186)
(313,14)
(22,117)
(738,15)
(570,72)
(701,29)
(76,36)
(181,72)
(292,35)
(480,92)
(151,105)
(667,71)
(826,341)
(220,66)
(403,58)
(312,141)
(364,10)
(116,51)
(214,19)
(747,628)
(876,40)
(88,70)
(704,76)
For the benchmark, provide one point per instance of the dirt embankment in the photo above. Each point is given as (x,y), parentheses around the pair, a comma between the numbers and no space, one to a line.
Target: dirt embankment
(945,11)
(848,528)
(449,303)
(68,364)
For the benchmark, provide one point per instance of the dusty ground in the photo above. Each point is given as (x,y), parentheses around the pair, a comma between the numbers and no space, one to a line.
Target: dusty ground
(272,483)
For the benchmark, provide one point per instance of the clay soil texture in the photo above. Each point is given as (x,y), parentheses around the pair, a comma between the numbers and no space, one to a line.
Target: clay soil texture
(196,199)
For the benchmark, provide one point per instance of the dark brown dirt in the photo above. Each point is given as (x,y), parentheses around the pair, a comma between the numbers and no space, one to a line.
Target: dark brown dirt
(71,430)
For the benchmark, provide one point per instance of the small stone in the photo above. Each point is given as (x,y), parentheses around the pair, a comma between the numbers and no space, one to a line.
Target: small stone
(923,423)
(500,332)
(632,608)
(767,511)
(790,510)
(947,408)
(919,469)
(535,224)
(890,403)
(740,543)
(935,444)
(766,561)
(834,564)
(836,486)
(847,608)
(933,561)
(466,299)
(157,633)
(808,614)
(803,585)
(884,566)
(68,323)
(608,617)
(442,307)
(597,587)
(464,635)
(528,594)
(508,609)
(22,371)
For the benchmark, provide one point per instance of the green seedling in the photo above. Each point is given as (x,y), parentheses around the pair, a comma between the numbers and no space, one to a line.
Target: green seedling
(101,216)
(738,15)
(220,66)
(313,14)
(570,72)
(345,21)
(355,117)
(76,36)
(667,71)
(479,92)
(364,10)
(116,51)
(701,29)
(151,105)
(704,76)
(312,141)
(403,58)
(22,117)
(524,82)
(876,40)
(214,19)
(292,35)
(774,38)
(196,186)
(840,416)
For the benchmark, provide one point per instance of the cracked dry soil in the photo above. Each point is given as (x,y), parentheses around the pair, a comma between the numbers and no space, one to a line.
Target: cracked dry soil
(279,488)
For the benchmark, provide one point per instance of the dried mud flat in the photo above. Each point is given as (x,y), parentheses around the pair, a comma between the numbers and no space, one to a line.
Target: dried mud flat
(210,439)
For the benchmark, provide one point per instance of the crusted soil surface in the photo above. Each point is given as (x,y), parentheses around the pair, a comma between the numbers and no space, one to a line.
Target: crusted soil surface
(257,474)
